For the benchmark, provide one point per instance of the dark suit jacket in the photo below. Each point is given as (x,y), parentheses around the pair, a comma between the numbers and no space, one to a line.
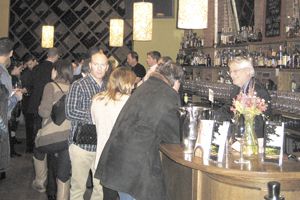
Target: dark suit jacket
(41,75)
(259,120)
(26,83)
(224,113)
(130,161)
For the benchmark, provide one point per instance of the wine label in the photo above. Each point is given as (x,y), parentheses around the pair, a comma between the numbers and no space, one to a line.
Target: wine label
(260,62)
(186,98)
(284,60)
(211,95)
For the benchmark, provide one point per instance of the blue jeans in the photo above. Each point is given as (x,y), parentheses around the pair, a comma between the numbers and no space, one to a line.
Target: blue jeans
(125,196)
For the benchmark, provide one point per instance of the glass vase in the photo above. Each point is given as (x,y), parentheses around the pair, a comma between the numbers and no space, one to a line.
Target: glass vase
(250,143)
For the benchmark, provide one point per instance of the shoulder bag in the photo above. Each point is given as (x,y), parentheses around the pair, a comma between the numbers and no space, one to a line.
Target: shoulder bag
(58,114)
(52,138)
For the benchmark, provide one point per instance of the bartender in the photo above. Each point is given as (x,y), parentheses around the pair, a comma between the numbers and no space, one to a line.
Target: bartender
(243,77)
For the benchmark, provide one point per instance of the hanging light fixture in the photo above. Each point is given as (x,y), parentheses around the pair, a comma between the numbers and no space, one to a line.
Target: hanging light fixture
(116,32)
(192,14)
(47,36)
(142,21)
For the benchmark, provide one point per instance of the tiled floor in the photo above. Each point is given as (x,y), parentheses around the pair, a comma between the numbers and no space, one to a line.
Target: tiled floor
(17,184)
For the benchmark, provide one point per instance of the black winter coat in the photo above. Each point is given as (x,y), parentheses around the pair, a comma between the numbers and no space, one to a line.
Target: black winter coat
(41,75)
(130,161)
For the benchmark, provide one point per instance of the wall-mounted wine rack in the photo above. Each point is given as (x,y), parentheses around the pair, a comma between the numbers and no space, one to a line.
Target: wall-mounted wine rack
(79,25)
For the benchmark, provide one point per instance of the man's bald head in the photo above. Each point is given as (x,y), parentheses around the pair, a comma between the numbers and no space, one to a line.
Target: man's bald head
(98,65)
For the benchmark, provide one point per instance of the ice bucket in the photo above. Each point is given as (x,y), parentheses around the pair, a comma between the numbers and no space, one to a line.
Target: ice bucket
(190,120)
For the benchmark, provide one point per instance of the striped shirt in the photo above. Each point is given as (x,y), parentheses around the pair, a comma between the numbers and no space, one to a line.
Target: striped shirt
(78,105)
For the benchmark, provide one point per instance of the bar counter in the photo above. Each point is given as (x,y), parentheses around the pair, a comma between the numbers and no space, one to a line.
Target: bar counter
(188,178)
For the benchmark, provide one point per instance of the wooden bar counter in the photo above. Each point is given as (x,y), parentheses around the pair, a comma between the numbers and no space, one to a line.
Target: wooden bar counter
(188,178)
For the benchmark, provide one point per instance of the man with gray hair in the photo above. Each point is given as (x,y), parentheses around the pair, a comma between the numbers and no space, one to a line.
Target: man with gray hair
(242,73)
(130,162)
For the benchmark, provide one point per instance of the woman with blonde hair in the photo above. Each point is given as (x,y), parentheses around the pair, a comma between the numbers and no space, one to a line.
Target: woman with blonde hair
(106,107)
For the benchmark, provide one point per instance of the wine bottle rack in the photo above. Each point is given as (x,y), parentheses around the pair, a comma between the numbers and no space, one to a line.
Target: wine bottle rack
(79,25)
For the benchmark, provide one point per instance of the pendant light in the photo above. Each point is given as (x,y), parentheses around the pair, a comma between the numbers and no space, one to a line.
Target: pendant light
(47,36)
(142,21)
(192,14)
(116,32)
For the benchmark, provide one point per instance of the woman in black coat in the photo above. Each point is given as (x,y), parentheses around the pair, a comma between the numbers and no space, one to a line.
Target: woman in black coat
(130,162)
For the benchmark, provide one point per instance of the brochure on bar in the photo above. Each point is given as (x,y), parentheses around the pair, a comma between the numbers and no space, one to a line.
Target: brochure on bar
(204,138)
(218,141)
(273,142)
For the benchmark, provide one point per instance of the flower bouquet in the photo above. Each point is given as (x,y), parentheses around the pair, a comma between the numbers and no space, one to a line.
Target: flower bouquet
(249,105)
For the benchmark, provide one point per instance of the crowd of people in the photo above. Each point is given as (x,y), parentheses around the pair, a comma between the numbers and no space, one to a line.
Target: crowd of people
(115,119)
(111,120)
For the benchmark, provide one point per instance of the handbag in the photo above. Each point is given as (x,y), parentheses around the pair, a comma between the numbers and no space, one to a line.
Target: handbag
(52,138)
(58,114)
(85,134)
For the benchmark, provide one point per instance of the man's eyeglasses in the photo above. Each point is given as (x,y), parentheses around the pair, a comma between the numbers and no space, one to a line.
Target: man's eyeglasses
(237,70)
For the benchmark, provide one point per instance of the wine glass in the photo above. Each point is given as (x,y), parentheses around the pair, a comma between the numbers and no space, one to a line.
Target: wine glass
(18,85)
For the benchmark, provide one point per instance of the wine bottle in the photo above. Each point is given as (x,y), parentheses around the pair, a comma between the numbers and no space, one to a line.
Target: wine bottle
(217,60)
(185,99)
(208,61)
(273,191)
(285,57)
(273,59)
(260,59)
(297,26)
(268,62)
(280,58)
(259,36)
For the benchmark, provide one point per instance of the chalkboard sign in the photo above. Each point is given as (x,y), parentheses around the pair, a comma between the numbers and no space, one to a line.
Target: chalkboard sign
(273,8)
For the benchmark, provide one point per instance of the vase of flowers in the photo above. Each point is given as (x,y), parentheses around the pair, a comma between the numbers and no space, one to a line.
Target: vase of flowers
(249,105)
